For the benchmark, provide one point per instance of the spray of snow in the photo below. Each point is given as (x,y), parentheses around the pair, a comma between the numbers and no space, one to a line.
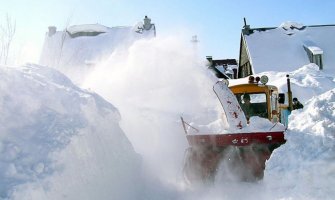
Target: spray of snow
(58,141)
(153,84)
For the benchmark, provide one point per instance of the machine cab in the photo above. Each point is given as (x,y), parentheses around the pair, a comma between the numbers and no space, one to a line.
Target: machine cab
(257,99)
(253,104)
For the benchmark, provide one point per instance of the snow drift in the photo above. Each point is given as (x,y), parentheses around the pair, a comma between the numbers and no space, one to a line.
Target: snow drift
(58,141)
(304,167)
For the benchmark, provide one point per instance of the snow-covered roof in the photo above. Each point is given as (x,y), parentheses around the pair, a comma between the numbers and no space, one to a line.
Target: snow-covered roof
(282,48)
(80,45)
(87,28)
(291,25)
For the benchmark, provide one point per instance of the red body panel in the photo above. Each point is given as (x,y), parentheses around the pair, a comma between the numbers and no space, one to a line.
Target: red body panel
(236,139)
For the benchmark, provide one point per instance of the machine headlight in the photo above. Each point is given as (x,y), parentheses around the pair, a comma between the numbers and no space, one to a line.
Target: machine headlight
(264,79)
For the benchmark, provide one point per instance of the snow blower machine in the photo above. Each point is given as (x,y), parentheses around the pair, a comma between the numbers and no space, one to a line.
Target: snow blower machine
(241,150)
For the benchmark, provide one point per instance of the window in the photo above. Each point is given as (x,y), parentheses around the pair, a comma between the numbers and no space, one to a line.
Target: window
(274,99)
(257,105)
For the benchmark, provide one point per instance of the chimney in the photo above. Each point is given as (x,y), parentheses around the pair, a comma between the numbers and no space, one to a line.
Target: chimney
(147,23)
(210,59)
(246,27)
(52,30)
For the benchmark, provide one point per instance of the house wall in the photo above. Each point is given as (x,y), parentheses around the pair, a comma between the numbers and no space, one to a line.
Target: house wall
(244,63)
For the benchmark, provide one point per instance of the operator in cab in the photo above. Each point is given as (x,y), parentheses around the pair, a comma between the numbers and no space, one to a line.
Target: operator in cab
(246,106)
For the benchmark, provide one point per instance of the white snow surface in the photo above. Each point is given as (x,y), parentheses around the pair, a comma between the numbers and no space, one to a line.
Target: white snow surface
(58,141)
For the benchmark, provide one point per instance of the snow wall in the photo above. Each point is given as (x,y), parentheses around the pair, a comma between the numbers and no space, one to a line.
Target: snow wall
(58,141)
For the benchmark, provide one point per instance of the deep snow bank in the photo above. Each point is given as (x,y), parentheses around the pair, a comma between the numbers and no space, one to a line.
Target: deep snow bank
(58,141)
(304,167)
(306,82)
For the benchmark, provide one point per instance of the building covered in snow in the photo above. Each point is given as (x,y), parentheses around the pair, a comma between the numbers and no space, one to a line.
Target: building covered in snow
(87,44)
(223,68)
(289,46)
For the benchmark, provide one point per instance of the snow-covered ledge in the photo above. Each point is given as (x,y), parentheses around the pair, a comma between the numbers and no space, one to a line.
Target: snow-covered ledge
(314,53)
(86,29)
(314,49)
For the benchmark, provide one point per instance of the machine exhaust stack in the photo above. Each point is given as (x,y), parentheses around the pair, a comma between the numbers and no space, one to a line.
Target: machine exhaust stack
(289,93)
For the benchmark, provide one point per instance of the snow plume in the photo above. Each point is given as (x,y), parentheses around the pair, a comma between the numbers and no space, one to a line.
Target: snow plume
(48,140)
(153,84)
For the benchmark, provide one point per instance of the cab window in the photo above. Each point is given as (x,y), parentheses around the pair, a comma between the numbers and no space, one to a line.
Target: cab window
(253,104)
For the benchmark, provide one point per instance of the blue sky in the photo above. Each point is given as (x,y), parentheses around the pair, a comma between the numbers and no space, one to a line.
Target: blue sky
(217,23)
